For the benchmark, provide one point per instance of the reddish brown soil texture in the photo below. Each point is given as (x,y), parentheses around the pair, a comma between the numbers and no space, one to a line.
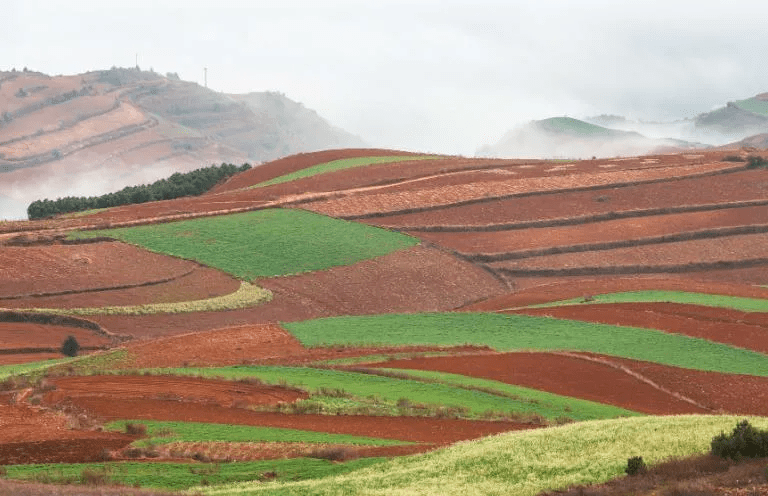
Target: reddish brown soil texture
(377,202)
(706,251)
(597,232)
(532,291)
(418,279)
(416,429)
(60,450)
(200,284)
(15,336)
(738,186)
(170,389)
(18,358)
(56,268)
(559,374)
(742,329)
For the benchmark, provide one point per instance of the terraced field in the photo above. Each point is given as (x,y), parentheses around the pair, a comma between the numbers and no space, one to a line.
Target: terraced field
(357,306)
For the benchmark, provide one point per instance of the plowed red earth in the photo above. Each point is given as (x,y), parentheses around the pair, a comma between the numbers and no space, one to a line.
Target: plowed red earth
(737,186)
(19,358)
(419,279)
(29,435)
(15,336)
(559,374)
(532,291)
(114,390)
(416,429)
(742,329)
(727,249)
(55,268)
(597,232)
(390,202)
(200,284)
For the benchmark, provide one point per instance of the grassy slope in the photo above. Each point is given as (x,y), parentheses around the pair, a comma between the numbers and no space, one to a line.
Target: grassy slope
(521,463)
(753,105)
(573,126)
(264,243)
(709,300)
(25,368)
(341,164)
(183,475)
(170,432)
(520,332)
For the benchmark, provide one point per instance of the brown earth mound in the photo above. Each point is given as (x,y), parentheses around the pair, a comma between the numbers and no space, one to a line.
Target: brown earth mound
(566,375)
(722,325)
(114,390)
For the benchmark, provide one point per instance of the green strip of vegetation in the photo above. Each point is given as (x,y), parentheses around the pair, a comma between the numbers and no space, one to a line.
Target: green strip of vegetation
(248,295)
(176,476)
(532,401)
(25,368)
(171,432)
(522,463)
(345,163)
(753,105)
(704,299)
(522,332)
(264,243)
(402,396)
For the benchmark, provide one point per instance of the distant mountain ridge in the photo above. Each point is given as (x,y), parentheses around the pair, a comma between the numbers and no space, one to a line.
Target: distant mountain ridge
(100,131)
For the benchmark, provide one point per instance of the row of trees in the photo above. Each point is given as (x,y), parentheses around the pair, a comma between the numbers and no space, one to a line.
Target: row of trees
(191,183)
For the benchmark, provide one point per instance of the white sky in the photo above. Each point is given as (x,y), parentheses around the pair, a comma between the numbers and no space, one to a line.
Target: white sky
(444,76)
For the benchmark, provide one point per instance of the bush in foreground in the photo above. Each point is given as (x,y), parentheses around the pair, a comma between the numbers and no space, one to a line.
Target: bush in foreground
(70,347)
(744,442)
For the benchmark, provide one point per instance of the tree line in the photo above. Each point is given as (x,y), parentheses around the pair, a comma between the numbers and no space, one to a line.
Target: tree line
(177,185)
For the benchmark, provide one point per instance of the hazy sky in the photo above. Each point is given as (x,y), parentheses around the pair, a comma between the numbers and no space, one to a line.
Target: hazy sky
(442,76)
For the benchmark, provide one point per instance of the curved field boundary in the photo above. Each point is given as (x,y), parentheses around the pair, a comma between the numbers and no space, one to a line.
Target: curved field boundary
(50,319)
(343,164)
(488,199)
(683,297)
(99,289)
(720,232)
(247,296)
(632,269)
(521,463)
(517,332)
(585,219)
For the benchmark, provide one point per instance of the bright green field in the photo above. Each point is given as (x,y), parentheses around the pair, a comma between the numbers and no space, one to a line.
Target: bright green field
(264,243)
(522,332)
(573,126)
(346,163)
(176,476)
(532,401)
(709,300)
(521,463)
(23,368)
(203,432)
(753,105)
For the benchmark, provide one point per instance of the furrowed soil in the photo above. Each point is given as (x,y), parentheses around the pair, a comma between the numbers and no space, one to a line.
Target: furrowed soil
(20,336)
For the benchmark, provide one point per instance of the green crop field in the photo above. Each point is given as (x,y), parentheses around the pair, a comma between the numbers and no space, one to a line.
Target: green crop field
(177,476)
(264,243)
(345,163)
(573,126)
(521,463)
(170,432)
(753,105)
(522,332)
(704,299)
(532,401)
(25,368)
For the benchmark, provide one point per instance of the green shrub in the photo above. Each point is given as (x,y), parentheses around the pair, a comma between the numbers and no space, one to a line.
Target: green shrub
(755,161)
(733,158)
(635,466)
(70,347)
(744,442)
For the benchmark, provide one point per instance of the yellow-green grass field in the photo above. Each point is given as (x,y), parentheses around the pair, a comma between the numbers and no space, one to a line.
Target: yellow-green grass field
(703,299)
(521,463)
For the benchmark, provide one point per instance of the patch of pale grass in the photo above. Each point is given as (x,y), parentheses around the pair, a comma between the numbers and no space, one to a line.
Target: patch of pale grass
(520,463)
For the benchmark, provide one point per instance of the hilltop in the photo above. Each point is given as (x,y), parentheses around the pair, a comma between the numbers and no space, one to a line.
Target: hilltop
(97,132)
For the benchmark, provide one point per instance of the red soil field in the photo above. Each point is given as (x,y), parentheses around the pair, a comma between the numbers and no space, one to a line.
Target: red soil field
(728,249)
(560,374)
(199,284)
(416,429)
(172,390)
(419,279)
(57,268)
(15,336)
(607,231)
(19,358)
(737,186)
(722,325)
(391,202)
